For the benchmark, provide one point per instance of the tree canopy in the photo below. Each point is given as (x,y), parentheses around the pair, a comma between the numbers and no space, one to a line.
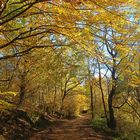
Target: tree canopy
(67,56)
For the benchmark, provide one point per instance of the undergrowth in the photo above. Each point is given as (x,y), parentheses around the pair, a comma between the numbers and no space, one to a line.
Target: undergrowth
(127,132)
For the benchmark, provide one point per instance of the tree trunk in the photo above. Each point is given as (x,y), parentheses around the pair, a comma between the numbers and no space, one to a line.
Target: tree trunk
(54,100)
(112,121)
(92,106)
(22,88)
(62,103)
(90,88)
(102,93)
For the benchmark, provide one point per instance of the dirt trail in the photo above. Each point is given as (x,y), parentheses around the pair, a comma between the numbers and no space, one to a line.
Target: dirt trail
(77,129)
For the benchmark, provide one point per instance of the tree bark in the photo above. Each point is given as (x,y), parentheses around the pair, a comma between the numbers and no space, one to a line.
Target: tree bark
(112,121)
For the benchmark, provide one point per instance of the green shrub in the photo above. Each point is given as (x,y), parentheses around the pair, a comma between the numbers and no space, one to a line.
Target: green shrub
(99,124)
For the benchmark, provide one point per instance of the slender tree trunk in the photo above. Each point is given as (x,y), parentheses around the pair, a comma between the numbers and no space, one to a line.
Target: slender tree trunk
(102,93)
(22,87)
(62,107)
(22,94)
(54,100)
(92,105)
(62,104)
(138,88)
(91,90)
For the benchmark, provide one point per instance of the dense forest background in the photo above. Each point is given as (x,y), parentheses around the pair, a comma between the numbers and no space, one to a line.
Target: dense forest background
(62,58)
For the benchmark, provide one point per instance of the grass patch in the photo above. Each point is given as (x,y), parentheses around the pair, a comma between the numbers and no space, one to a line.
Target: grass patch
(100,125)
(128,130)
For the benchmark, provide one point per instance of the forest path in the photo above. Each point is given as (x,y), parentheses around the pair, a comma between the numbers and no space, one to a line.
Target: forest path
(76,129)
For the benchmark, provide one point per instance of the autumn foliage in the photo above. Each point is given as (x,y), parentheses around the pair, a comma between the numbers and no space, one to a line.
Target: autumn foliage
(63,57)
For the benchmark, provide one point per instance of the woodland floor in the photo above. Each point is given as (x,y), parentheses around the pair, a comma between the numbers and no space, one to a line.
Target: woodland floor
(76,129)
